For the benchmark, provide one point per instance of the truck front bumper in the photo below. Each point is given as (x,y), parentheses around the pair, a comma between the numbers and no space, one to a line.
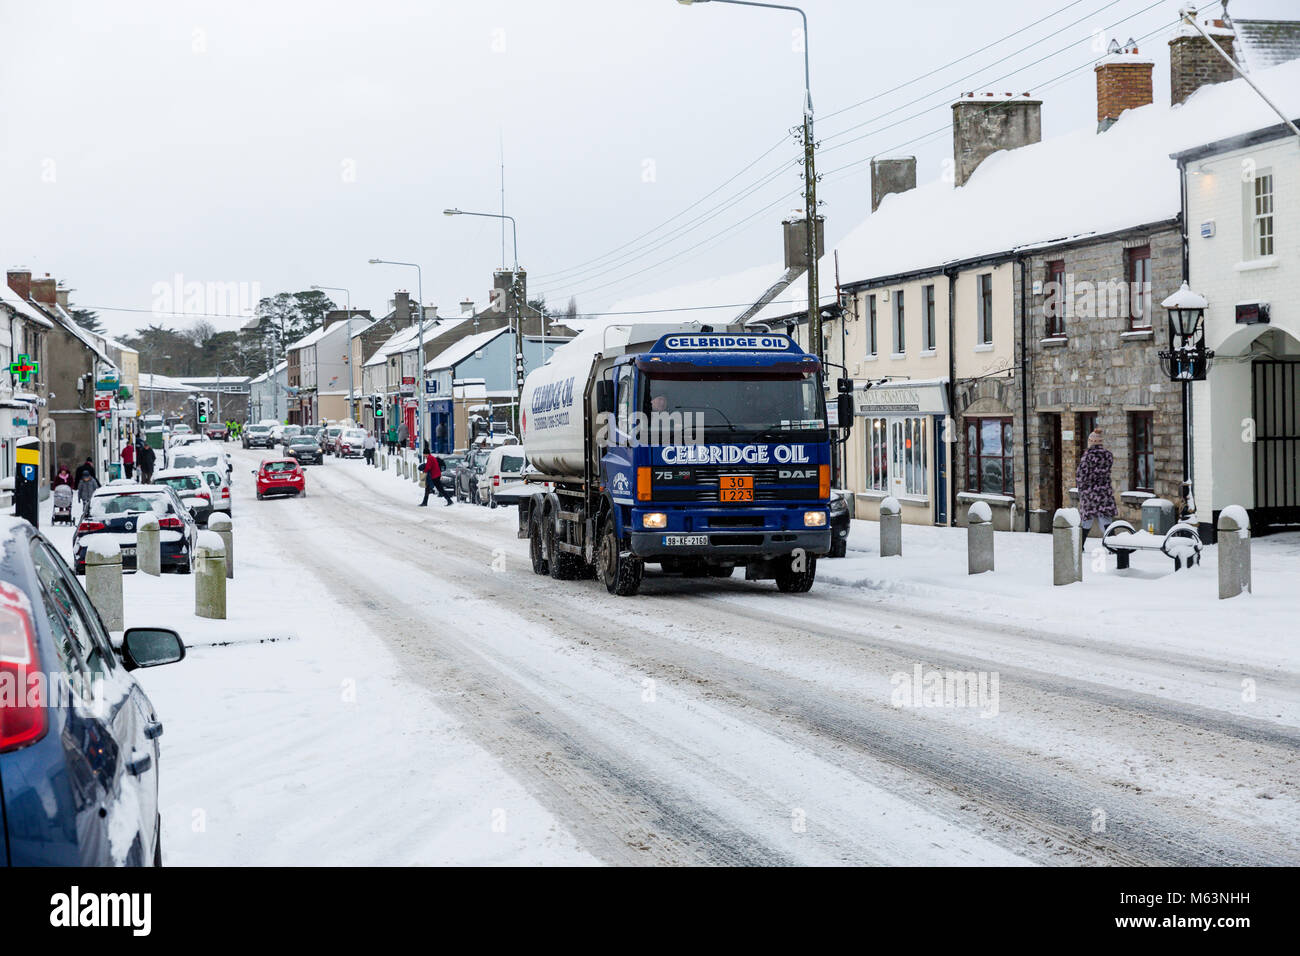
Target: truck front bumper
(740,544)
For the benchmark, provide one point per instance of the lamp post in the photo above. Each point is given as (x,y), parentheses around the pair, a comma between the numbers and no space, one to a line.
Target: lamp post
(1186,360)
(517,323)
(815,343)
(419,377)
(351,397)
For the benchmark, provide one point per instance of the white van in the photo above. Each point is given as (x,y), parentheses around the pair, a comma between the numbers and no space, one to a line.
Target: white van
(505,463)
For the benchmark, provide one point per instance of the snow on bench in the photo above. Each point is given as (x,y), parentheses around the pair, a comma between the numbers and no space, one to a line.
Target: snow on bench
(1182,543)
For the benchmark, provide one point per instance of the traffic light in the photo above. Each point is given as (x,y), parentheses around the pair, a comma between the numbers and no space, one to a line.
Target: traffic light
(379,407)
(204,409)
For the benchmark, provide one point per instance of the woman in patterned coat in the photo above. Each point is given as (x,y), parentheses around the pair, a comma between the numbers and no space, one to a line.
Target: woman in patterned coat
(1092,477)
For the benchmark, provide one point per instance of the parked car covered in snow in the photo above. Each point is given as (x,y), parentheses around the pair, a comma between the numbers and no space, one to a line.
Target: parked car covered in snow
(114,515)
(280,476)
(78,770)
(465,485)
(191,487)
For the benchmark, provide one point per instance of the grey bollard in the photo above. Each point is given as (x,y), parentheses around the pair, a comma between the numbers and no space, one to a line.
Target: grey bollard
(210,576)
(104,581)
(891,528)
(148,557)
(1067,547)
(223,526)
(383,462)
(1234,551)
(979,538)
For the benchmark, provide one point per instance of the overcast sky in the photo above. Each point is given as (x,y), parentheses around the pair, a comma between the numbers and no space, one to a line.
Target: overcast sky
(284,144)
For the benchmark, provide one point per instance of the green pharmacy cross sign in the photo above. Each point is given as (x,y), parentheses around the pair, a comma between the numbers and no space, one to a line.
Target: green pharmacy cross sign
(24,368)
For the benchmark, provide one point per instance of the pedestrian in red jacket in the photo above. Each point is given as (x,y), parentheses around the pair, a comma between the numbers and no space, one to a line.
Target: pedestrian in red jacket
(128,459)
(432,469)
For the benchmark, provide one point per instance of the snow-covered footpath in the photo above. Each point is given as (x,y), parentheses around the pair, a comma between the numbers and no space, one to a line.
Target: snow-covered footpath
(291,738)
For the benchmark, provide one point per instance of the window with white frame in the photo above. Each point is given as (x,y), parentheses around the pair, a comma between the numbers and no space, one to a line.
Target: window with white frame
(984,284)
(877,455)
(900,343)
(1260,199)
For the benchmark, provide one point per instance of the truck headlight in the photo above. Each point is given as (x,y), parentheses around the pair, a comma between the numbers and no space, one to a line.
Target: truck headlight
(814,519)
(655,519)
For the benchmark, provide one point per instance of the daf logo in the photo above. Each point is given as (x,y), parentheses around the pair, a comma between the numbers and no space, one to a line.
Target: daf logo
(783,474)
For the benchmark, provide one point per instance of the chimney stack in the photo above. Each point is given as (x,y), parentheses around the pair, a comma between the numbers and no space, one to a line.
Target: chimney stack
(44,290)
(61,294)
(20,281)
(466,306)
(1193,63)
(983,123)
(402,307)
(895,174)
(1123,83)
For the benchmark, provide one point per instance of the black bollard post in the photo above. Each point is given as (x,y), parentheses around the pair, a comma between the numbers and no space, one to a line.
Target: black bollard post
(27,483)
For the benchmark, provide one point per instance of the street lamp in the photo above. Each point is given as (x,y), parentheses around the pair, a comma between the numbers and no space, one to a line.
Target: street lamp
(351,398)
(515,304)
(419,378)
(1186,360)
(809,172)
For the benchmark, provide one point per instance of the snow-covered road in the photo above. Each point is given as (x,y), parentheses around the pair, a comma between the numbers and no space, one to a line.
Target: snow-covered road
(709,721)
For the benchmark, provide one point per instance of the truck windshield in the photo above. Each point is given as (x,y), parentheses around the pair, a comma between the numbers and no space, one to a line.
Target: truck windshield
(732,407)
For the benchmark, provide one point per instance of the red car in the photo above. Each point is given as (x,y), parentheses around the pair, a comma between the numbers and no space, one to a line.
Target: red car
(280,476)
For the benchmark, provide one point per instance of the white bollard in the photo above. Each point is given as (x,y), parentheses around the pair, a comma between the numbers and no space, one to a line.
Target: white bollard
(148,550)
(1067,547)
(979,538)
(1234,551)
(223,526)
(104,581)
(891,528)
(210,576)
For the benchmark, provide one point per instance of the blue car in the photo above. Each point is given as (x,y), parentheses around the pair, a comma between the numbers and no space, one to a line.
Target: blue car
(78,737)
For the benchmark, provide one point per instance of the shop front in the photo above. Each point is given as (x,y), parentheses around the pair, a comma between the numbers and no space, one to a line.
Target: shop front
(901,452)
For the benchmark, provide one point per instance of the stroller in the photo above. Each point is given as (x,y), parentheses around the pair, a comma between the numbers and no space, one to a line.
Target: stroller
(62,496)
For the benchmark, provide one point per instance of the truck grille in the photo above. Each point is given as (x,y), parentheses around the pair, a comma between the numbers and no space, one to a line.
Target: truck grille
(701,482)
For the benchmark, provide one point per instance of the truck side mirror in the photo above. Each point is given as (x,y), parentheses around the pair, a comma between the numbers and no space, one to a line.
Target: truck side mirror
(605,395)
(845,410)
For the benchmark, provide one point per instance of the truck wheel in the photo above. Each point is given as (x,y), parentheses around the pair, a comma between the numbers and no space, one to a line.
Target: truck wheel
(721,570)
(563,566)
(791,581)
(621,576)
(536,551)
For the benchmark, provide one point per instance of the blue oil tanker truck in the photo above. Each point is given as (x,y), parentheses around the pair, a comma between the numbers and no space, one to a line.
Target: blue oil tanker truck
(694,450)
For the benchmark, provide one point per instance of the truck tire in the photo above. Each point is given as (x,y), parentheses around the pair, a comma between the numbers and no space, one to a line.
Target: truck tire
(790,581)
(621,576)
(563,567)
(536,548)
(721,570)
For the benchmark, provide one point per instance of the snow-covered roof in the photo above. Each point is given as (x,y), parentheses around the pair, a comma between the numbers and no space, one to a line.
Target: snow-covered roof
(164,383)
(1077,185)
(311,338)
(459,351)
(214,379)
(28,311)
(115,344)
(403,340)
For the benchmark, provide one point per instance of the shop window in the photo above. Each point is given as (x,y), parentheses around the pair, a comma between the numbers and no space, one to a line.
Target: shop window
(990,456)
(1142,451)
